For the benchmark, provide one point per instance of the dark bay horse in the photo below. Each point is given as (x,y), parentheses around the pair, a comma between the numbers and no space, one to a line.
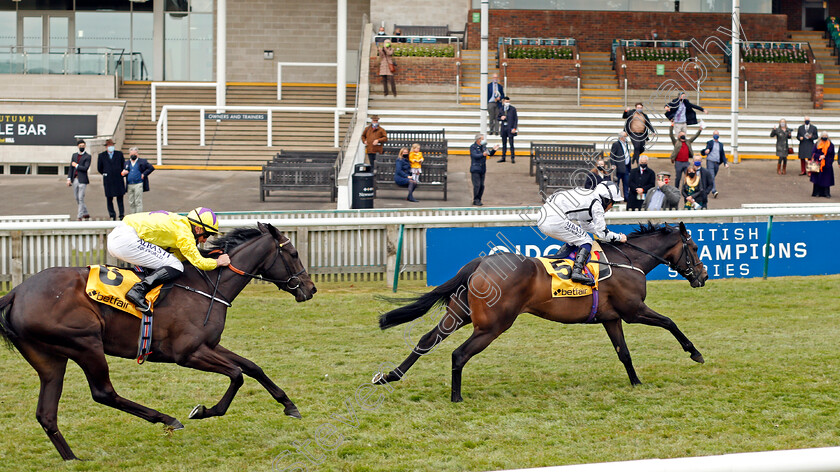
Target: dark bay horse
(490,292)
(50,319)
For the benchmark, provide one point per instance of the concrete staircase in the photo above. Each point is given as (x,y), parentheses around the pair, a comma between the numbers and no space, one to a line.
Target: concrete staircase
(471,75)
(831,72)
(598,82)
(231,143)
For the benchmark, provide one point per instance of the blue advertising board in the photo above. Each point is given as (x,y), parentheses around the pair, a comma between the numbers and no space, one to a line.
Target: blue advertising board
(726,249)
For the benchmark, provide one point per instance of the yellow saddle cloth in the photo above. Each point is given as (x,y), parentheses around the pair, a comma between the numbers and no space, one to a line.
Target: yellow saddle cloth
(560,271)
(109,285)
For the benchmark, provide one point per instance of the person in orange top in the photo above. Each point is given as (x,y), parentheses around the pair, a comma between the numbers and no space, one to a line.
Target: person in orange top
(415,157)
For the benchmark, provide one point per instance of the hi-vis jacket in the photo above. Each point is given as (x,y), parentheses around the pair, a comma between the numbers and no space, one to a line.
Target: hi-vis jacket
(172,232)
(582,206)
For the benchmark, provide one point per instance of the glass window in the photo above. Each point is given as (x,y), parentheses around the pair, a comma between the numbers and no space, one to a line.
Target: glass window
(142,41)
(177,5)
(201,47)
(8,26)
(33,31)
(176,47)
(58,31)
(201,6)
(96,31)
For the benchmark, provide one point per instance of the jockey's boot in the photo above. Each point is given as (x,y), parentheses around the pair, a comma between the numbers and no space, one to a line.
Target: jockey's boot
(580,262)
(563,252)
(137,294)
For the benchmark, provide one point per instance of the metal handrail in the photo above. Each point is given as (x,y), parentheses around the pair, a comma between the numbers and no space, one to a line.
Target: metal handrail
(458,82)
(539,41)
(397,39)
(68,54)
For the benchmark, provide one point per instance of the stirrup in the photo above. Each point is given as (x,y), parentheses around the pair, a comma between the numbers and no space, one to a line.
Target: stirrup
(582,278)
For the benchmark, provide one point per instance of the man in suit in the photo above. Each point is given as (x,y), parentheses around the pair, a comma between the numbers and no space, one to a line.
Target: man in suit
(478,166)
(642,179)
(638,128)
(77,176)
(620,157)
(136,173)
(110,163)
(681,113)
(495,92)
(806,135)
(682,154)
(715,156)
(509,120)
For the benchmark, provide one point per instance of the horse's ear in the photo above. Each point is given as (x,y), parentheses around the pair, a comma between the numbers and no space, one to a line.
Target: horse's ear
(262,227)
(275,233)
(682,229)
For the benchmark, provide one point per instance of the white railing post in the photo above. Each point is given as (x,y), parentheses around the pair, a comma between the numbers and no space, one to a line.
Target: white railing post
(165,117)
(154,103)
(201,127)
(279,81)
(269,125)
(335,128)
(746,95)
(157,141)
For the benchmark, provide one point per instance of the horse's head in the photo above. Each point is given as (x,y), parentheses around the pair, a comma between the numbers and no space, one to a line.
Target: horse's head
(683,258)
(284,266)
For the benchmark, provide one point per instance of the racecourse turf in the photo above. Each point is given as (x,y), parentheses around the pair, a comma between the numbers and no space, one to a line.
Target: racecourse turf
(542,394)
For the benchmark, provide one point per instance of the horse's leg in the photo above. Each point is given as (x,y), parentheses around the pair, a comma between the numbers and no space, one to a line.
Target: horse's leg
(254,371)
(453,319)
(51,372)
(616,334)
(652,318)
(93,363)
(477,342)
(208,360)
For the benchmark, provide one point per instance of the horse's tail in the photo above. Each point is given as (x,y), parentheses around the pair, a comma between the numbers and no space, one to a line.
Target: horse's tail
(424,303)
(6,331)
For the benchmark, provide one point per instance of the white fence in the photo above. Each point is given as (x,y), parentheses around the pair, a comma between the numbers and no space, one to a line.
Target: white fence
(334,245)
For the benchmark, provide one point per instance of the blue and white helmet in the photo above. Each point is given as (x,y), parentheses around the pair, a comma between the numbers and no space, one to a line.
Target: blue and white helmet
(608,191)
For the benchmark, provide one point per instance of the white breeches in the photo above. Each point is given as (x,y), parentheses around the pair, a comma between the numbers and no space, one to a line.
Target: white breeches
(559,227)
(124,244)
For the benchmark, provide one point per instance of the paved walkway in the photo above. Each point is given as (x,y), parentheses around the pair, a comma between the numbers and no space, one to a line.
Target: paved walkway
(507,184)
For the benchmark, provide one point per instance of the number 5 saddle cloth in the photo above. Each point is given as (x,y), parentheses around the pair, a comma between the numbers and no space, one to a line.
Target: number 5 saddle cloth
(109,285)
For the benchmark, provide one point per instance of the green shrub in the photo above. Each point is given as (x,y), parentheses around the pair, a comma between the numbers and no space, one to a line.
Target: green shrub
(539,52)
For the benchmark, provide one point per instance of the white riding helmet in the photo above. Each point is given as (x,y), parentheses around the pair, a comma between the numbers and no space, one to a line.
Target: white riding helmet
(608,191)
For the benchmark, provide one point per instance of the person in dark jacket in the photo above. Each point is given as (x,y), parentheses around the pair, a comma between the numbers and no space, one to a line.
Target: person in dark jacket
(715,157)
(620,158)
(77,176)
(509,121)
(806,134)
(692,188)
(642,179)
(782,134)
(136,174)
(110,164)
(638,128)
(824,179)
(681,113)
(495,92)
(402,174)
(708,180)
(478,166)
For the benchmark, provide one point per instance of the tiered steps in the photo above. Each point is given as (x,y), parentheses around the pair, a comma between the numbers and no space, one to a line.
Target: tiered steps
(231,143)
(598,81)
(471,75)
(828,63)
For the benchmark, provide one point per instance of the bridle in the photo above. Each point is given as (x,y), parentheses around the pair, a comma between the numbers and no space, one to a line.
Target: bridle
(287,282)
(691,264)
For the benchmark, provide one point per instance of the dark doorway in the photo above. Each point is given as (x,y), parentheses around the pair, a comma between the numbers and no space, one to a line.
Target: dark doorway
(813,16)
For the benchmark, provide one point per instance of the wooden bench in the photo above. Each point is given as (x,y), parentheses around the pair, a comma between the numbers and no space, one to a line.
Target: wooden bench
(428,148)
(562,176)
(546,152)
(433,175)
(307,172)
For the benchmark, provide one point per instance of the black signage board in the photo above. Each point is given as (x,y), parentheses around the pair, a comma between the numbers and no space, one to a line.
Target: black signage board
(236,116)
(45,130)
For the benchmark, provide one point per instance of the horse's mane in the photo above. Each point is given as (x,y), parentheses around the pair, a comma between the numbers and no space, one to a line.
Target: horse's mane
(231,240)
(650,228)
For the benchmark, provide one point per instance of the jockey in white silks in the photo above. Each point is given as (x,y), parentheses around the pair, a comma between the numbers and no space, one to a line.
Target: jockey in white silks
(570,216)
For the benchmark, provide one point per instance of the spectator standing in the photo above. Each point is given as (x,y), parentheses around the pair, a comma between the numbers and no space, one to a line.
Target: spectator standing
(77,176)
(824,179)
(398,32)
(638,128)
(641,179)
(600,173)
(682,153)
(715,156)
(707,179)
(782,134)
(372,137)
(620,158)
(403,176)
(478,166)
(664,196)
(509,121)
(415,157)
(387,68)
(495,92)
(380,35)
(136,174)
(110,163)
(681,113)
(806,134)
(692,188)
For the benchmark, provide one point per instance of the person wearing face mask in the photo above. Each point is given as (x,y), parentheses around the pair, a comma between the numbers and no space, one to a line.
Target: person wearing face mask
(387,67)
(692,189)
(806,134)
(638,129)
(682,153)
(495,92)
(77,176)
(478,166)
(707,179)
(509,120)
(823,155)
(403,175)
(372,137)
(642,179)
(136,173)
(664,196)
(681,113)
(715,156)
(782,134)
(620,159)
(599,173)
(110,163)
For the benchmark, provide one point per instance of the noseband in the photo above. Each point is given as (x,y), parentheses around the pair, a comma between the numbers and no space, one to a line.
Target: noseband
(287,282)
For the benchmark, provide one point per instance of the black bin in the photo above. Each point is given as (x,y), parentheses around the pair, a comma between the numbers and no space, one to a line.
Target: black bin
(362,187)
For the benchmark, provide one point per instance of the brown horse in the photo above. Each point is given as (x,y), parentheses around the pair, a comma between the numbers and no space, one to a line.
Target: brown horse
(490,292)
(50,319)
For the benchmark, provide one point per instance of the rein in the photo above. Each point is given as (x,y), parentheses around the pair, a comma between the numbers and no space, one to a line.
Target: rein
(689,263)
(286,282)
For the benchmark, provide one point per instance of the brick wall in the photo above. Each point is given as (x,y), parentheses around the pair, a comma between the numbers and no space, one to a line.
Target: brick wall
(779,77)
(417,71)
(542,73)
(642,75)
(595,30)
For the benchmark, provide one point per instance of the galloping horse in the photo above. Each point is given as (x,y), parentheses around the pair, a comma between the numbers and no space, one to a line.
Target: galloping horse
(50,319)
(491,299)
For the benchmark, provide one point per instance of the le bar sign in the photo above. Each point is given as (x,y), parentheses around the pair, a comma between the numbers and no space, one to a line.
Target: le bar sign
(45,130)
(236,116)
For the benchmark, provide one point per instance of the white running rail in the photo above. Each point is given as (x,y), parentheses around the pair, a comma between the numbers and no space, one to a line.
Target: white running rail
(155,85)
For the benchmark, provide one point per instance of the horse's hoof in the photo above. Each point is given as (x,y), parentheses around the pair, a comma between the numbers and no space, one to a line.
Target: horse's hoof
(457,399)
(198,412)
(698,358)
(292,411)
(174,425)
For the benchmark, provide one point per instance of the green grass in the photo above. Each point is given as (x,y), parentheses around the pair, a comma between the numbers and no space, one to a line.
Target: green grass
(542,394)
